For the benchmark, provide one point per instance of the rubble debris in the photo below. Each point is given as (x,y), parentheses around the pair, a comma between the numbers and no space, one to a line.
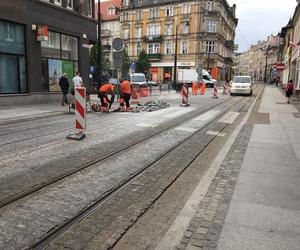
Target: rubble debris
(150,106)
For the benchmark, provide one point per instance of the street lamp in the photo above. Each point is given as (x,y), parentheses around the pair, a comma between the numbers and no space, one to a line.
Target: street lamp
(175,55)
(99,68)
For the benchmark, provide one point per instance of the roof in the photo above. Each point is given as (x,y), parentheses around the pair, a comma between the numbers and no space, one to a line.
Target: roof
(105,7)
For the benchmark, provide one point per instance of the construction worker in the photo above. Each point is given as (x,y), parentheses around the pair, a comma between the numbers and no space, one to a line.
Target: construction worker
(125,94)
(104,91)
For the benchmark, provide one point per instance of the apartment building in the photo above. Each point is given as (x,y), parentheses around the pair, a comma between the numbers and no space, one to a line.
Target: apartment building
(40,40)
(205,35)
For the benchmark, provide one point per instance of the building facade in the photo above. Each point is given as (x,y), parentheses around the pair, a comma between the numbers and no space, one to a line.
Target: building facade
(40,40)
(110,27)
(205,35)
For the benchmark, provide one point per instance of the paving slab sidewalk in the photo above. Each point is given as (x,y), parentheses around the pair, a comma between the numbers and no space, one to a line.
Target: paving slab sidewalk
(264,212)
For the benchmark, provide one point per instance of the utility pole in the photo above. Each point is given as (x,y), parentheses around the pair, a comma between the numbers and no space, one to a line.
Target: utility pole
(99,66)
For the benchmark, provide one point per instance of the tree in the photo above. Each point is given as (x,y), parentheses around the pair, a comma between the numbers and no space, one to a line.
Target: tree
(94,60)
(143,64)
(125,63)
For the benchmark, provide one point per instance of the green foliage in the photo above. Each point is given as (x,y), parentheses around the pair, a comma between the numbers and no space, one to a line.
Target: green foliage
(94,60)
(125,63)
(143,64)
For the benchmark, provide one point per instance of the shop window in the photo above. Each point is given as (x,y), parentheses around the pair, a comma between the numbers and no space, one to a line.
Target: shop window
(13,76)
(69,47)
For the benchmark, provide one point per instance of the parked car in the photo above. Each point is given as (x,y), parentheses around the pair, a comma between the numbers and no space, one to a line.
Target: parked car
(241,85)
(138,79)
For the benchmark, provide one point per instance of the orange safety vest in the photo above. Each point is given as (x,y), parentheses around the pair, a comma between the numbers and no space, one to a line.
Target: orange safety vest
(107,88)
(125,87)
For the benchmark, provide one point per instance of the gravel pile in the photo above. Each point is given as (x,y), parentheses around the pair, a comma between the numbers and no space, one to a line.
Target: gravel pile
(150,106)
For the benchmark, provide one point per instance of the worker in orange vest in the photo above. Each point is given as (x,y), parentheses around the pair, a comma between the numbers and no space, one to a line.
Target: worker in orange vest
(194,88)
(125,95)
(104,91)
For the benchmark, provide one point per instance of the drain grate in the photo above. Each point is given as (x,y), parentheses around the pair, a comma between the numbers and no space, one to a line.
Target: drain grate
(296,115)
(281,102)
(259,118)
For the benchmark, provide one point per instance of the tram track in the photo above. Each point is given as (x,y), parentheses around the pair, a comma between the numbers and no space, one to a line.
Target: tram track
(109,194)
(39,186)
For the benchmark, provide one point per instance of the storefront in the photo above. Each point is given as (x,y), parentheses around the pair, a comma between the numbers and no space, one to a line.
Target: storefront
(30,64)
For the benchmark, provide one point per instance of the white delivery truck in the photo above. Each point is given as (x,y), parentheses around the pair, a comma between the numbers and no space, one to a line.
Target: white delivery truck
(190,75)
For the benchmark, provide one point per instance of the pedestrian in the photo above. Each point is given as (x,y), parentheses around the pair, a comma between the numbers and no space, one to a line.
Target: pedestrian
(289,89)
(77,80)
(126,93)
(64,85)
(104,91)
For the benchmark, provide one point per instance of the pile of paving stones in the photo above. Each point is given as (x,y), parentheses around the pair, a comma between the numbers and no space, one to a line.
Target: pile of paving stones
(150,106)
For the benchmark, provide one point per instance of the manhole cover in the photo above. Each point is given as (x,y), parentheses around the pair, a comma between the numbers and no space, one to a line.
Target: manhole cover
(259,118)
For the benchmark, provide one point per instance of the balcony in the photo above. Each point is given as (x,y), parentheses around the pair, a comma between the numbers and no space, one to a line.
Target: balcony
(154,57)
(153,39)
(105,33)
(229,43)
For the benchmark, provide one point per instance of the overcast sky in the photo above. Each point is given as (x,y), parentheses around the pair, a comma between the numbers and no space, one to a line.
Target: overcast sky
(260,18)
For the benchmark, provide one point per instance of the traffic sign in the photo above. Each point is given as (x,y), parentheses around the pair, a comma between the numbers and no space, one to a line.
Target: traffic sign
(117,44)
(280,66)
(92,69)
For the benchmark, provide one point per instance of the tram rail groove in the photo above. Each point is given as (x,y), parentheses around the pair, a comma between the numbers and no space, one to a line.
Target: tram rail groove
(109,194)
(40,186)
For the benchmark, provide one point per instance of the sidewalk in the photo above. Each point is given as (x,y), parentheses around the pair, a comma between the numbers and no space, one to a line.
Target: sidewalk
(265,209)
(253,201)
(14,114)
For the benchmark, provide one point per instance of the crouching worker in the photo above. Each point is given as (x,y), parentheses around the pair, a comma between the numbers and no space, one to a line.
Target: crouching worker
(125,95)
(104,91)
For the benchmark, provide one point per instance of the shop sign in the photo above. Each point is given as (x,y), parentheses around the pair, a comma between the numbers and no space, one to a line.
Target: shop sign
(42,33)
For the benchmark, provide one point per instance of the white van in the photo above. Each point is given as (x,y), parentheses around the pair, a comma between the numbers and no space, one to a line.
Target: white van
(190,75)
(138,79)
(241,85)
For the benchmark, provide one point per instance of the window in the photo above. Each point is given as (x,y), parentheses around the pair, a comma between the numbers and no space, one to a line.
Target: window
(154,30)
(59,55)
(211,26)
(169,29)
(70,4)
(185,28)
(58,2)
(154,13)
(138,15)
(169,48)
(184,47)
(138,32)
(90,8)
(126,33)
(125,16)
(138,48)
(111,11)
(186,8)
(210,47)
(210,6)
(126,2)
(13,75)
(153,48)
(170,11)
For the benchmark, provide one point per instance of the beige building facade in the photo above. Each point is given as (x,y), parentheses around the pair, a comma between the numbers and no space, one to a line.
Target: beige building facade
(205,35)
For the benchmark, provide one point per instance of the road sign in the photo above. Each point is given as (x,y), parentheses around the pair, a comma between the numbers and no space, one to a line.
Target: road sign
(92,69)
(117,44)
(117,56)
(280,66)
(133,66)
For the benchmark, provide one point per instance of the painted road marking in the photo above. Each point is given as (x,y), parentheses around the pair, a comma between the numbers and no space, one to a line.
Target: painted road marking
(207,116)
(147,125)
(179,113)
(185,129)
(230,117)
(215,133)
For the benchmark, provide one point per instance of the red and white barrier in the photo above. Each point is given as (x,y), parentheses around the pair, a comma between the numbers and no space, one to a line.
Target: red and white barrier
(185,96)
(80,114)
(215,92)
